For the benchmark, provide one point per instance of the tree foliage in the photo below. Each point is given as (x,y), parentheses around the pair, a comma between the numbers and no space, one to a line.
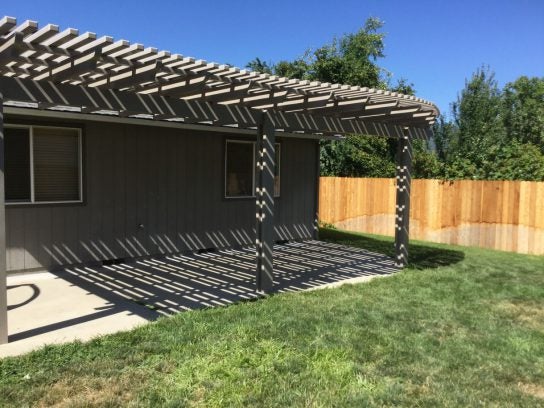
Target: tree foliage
(477,116)
(350,59)
(426,163)
(357,156)
(494,133)
(523,106)
(259,65)
(444,137)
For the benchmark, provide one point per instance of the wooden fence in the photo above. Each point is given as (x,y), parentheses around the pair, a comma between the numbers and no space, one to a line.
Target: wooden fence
(505,215)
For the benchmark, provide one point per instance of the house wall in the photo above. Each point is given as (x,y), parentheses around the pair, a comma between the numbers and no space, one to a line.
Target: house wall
(168,181)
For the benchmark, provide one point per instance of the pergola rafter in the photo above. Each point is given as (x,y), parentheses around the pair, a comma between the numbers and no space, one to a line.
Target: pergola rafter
(158,107)
(71,58)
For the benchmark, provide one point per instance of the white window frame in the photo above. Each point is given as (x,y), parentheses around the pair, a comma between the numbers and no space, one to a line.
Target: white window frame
(31,152)
(225,171)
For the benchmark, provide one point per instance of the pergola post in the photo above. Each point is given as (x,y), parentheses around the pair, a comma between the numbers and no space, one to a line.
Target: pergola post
(3,282)
(266,162)
(402,211)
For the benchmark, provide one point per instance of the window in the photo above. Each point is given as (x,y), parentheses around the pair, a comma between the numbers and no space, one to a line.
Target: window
(17,164)
(240,169)
(43,164)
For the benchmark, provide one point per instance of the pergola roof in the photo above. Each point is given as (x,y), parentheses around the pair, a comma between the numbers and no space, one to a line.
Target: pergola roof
(52,69)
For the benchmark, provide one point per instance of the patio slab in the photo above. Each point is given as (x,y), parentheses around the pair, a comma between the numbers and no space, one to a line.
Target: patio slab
(80,303)
(46,309)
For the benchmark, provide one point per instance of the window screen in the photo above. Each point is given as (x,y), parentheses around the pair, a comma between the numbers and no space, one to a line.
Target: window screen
(239,169)
(56,164)
(17,164)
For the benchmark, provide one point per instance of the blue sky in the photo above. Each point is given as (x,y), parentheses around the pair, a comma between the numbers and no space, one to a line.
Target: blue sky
(434,44)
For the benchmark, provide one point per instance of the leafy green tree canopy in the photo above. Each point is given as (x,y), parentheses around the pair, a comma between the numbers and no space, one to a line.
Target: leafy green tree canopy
(523,105)
(495,134)
(350,59)
(357,156)
(477,115)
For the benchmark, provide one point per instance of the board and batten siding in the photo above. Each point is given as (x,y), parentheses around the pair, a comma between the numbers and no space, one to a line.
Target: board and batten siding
(151,191)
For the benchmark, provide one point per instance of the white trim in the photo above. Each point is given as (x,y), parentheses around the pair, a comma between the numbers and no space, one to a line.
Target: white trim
(252,173)
(32,178)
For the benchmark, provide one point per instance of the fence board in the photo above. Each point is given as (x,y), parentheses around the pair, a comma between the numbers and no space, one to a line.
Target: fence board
(505,215)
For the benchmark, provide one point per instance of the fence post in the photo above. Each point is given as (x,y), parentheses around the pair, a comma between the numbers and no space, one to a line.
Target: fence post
(402,208)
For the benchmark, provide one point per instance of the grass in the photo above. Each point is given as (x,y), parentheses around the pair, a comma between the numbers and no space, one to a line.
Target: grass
(460,327)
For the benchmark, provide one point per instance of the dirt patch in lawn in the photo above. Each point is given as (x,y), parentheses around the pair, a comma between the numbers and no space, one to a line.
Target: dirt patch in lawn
(86,391)
(534,390)
(527,313)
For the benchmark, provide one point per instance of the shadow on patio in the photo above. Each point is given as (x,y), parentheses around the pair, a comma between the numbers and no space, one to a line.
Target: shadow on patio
(181,282)
(79,303)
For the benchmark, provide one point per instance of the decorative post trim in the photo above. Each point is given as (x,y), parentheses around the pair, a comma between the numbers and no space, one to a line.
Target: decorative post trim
(402,210)
(266,163)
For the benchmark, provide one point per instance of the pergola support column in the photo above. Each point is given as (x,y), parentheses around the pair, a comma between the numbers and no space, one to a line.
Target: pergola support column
(402,211)
(266,162)
(3,282)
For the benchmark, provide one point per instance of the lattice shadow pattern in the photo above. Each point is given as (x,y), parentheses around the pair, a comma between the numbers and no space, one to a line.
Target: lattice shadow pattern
(175,283)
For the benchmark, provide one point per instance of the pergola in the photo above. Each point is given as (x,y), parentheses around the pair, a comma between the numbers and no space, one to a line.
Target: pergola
(64,73)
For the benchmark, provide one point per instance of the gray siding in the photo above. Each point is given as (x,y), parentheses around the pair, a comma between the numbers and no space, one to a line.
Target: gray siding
(171,182)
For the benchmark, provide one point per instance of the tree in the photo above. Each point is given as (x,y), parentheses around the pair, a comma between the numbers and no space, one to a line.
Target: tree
(507,160)
(404,87)
(444,136)
(298,68)
(477,116)
(426,163)
(357,156)
(259,65)
(350,59)
(495,134)
(523,105)
(513,161)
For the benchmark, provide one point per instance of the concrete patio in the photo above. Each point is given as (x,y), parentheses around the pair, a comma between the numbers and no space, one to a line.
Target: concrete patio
(80,303)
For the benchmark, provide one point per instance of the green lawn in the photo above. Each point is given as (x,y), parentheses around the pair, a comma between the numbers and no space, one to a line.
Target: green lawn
(460,327)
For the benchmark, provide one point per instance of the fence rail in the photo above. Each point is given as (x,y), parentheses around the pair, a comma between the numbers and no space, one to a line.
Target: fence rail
(505,215)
